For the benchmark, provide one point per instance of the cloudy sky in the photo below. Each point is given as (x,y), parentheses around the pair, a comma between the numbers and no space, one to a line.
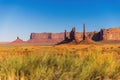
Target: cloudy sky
(21,17)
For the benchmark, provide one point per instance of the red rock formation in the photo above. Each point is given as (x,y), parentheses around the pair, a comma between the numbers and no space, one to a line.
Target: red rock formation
(110,34)
(73,34)
(84,32)
(18,41)
(66,37)
(86,38)
(46,38)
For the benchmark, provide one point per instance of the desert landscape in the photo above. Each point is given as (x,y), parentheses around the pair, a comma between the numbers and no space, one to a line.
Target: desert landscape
(69,58)
(104,35)
(59,39)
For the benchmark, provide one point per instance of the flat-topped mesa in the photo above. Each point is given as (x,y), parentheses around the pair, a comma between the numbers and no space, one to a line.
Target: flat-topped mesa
(46,38)
(111,34)
(114,29)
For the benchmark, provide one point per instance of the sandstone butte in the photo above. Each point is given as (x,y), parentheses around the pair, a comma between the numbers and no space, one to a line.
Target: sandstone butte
(111,34)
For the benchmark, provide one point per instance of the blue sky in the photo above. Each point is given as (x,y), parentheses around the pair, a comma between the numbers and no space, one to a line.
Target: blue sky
(21,17)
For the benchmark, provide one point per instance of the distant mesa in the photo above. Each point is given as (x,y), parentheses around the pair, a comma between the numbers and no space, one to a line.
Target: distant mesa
(18,41)
(72,37)
(46,38)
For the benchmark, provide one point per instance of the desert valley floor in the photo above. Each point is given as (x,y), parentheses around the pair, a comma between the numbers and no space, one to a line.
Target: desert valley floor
(99,61)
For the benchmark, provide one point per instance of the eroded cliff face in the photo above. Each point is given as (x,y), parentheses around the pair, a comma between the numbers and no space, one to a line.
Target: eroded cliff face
(46,38)
(111,34)
(54,38)
(91,35)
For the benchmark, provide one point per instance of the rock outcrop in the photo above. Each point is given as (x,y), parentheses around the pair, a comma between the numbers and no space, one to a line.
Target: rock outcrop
(18,41)
(73,36)
(112,34)
(46,38)
(86,39)
(77,38)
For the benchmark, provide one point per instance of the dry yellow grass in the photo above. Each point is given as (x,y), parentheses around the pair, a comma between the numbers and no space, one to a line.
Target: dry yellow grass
(64,62)
(66,48)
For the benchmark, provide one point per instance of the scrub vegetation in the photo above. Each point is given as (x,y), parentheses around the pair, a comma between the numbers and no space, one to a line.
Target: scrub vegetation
(62,62)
